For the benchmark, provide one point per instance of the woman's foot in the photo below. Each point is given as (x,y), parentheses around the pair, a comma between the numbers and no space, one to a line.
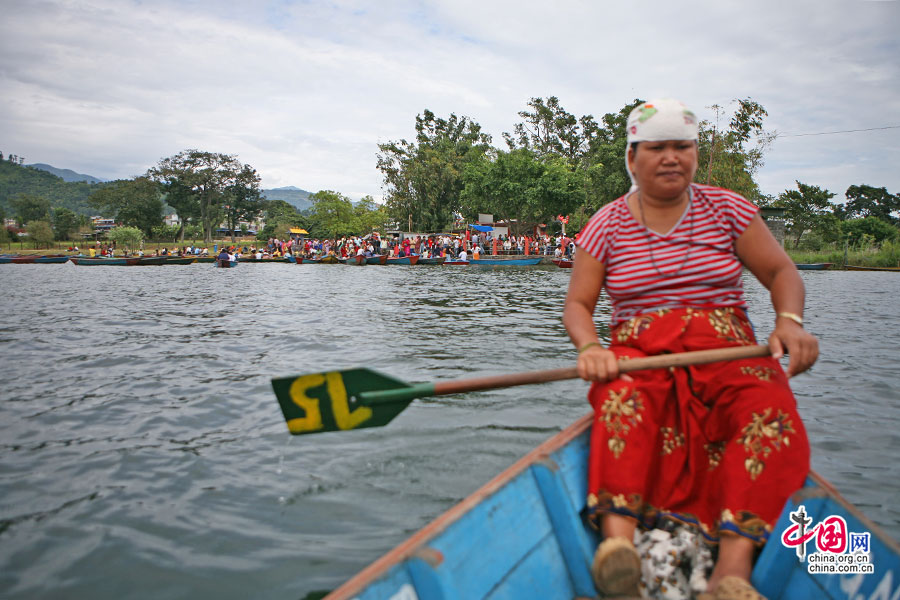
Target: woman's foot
(616,568)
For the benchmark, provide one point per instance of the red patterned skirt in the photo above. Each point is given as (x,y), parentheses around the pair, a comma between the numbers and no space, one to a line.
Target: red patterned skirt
(718,446)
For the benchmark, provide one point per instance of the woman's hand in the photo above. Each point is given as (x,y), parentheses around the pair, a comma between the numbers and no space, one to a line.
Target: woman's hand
(802,347)
(596,363)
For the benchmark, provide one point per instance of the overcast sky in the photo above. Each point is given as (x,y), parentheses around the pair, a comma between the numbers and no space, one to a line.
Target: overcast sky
(304,91)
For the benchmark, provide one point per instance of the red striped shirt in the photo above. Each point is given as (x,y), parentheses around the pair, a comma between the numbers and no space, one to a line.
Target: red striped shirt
(694,265)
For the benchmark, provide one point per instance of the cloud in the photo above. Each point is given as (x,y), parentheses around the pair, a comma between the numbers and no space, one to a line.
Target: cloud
(304,91)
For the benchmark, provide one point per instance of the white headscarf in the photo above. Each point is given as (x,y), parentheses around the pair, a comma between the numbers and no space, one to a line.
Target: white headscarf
(657,121)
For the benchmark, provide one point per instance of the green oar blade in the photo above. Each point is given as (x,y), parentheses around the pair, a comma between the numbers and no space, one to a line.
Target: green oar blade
(331,401)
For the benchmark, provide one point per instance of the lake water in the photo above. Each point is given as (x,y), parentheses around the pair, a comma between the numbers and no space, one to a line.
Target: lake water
(144,454)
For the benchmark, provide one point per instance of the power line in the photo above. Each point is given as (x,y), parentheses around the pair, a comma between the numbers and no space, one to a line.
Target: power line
(834,132)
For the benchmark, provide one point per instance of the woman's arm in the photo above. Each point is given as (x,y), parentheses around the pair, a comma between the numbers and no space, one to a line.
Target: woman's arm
(763,255)
(595,363)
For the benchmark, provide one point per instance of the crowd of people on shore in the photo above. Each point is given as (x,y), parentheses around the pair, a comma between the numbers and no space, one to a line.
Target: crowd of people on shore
(450,246)
(454,247)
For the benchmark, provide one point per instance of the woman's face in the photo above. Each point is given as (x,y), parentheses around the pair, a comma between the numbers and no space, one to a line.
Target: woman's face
(664,169)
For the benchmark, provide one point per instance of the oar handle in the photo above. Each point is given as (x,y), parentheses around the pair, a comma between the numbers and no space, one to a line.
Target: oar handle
(662,361)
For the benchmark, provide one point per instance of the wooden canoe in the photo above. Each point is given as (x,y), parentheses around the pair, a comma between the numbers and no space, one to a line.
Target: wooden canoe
(180,260)
(406,260)
(522,536)
(861,268)
(436,260)
(563,263)
(813,266)
(89,261)
(378,259)
(454,262)
(359,260)
(507,261)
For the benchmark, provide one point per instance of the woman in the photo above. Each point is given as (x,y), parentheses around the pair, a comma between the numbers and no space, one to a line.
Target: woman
(719,447)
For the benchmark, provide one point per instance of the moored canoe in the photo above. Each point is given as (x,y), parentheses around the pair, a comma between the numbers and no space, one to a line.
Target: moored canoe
(436,260)
(405,260)
(813,266)
(861,268)
(180,260)
(356,261)
(522,536)
(380,259)
(563,263)
(507,261)
(91,261)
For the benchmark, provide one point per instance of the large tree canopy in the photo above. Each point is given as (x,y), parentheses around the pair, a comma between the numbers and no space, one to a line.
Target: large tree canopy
(423,180)
(730,158)
(521,188)
(805,208)
(131,202)
(197,181)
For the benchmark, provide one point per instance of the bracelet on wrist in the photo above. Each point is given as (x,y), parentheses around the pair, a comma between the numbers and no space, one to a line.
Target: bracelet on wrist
(588,345)
(792,316)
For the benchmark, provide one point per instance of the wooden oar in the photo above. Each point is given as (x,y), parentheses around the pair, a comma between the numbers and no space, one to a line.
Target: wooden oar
(358,398)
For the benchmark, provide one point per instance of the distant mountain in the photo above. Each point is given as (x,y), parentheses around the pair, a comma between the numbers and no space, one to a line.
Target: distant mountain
(66,174)
(294,196)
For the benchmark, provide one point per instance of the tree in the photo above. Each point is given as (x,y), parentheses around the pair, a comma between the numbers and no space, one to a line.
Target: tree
(805,208)
(40,233)
(369,216)
(65,223)
(29,207)
(198,181)
(128,237)
(522,188)
(132,202)
(551,130)
(868,201)
(731,158)
(858,231)
(332,215)
(423,180)
(606,177)
(242,199)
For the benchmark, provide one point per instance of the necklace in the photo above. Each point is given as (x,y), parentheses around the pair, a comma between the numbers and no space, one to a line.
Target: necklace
(647,232)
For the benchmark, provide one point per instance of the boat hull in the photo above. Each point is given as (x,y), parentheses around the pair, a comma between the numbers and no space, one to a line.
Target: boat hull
(437,260)
(509,262)
(406,260)
(813,266)
(87,261)
(861,268)
(226,264)
(564,264)
(381,259)
(522,536)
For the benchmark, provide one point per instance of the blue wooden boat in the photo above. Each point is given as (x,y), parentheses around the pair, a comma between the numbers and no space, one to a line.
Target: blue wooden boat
(55,260)
(813,266)
(377,259)
(522,536)
(435,260)
(507,261)
(406,260)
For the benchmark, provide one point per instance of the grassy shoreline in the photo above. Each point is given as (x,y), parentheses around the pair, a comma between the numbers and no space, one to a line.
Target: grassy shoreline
(888,255)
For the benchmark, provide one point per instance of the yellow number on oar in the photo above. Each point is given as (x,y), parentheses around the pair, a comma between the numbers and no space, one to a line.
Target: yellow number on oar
(343,416)
(313,419)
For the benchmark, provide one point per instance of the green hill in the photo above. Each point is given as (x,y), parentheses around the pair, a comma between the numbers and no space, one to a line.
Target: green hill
(294,196)
(16,179)
(66,174)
